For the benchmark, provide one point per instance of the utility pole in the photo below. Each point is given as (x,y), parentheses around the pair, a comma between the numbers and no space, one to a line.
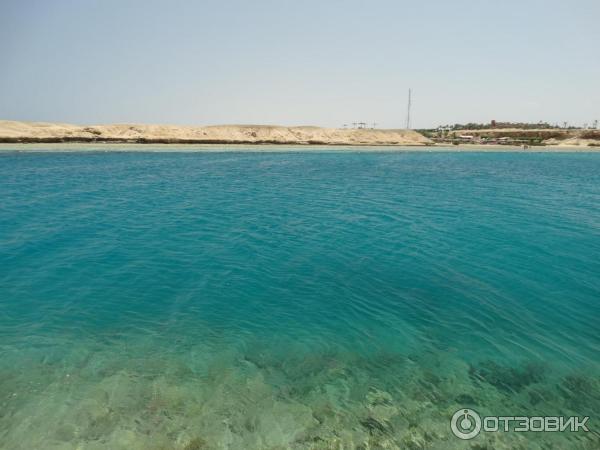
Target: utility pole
(408,110)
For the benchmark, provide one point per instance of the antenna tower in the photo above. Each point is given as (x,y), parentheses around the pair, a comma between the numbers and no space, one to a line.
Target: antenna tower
(408,110)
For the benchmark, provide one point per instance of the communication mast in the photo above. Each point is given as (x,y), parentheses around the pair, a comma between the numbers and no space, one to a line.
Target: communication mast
(408,110)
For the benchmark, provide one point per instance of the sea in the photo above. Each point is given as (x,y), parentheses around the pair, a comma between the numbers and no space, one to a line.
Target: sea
(322,298)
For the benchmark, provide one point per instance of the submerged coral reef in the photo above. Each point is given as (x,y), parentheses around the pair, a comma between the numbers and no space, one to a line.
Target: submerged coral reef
(148,395)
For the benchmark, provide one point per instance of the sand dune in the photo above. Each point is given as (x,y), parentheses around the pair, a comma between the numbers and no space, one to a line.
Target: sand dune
(12,131)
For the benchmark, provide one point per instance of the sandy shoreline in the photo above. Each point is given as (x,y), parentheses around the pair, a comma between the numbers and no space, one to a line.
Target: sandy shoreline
(278,148)
(41,136)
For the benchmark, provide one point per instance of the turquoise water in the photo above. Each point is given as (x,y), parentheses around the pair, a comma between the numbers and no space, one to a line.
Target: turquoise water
(304,300)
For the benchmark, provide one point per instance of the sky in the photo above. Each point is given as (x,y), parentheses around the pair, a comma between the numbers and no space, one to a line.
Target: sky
(325,63)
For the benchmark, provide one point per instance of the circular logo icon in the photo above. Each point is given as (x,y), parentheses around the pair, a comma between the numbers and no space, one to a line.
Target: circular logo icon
(465,424)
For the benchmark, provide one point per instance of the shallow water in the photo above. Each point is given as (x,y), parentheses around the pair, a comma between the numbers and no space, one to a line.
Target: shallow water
(307,300)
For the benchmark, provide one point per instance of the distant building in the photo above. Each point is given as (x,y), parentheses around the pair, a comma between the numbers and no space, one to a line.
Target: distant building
(493,123)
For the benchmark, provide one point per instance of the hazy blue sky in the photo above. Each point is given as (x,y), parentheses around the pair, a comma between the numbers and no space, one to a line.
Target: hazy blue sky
(299,62)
